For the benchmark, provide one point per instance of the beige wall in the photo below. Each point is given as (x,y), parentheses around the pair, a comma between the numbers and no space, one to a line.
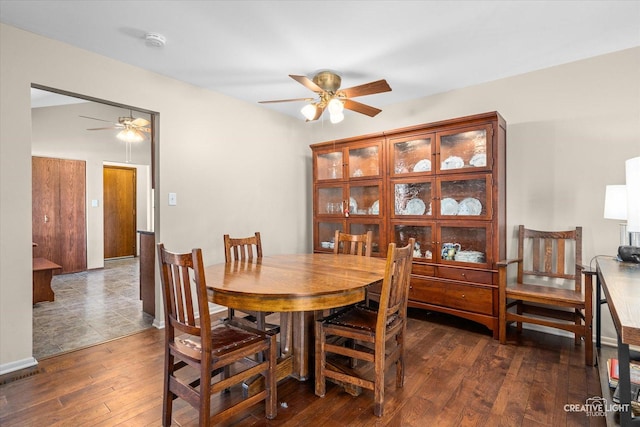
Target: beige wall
(238,168)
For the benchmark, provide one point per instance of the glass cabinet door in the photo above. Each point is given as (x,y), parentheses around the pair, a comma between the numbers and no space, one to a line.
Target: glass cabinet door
(424,246)
(411,155)
(413,198)
(365,161)
(464,244)
(365,199)
(465,195)
(330,200)
(464,149)
(363,228)
(329,165)
(325,232)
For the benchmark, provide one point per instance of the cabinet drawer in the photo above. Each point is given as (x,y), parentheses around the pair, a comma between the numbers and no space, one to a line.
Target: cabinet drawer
(464,275)
(455,295)
(423,270)
(427,291)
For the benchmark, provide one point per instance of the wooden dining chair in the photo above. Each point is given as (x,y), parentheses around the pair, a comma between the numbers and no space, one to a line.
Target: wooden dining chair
(238,249)
(352,244)
(198,357)
(547,288)
(378,334)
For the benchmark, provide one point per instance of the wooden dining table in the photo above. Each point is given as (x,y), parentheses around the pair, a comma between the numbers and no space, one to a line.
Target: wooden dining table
(300,283)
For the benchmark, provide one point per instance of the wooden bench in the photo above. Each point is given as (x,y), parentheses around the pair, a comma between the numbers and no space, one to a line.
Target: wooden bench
(42,274)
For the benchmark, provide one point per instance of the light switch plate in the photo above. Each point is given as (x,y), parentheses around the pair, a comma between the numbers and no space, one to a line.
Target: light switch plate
(173,199)
(94,203)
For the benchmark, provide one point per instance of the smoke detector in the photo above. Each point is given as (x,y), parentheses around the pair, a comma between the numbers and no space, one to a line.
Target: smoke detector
(155,40)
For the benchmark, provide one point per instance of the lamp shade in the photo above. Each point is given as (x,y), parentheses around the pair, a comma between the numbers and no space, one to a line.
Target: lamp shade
(632,168)
(615,202)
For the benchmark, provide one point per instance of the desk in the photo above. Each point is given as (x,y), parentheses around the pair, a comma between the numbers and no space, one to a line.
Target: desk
(621,284)
(300,283)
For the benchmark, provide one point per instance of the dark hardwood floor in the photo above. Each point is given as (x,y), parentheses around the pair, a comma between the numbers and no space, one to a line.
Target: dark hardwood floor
(456,375)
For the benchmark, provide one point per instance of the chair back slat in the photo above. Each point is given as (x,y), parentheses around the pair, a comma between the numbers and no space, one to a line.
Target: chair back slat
(242,248)
(551,254)
(352,244)
(181,274)
(395,285)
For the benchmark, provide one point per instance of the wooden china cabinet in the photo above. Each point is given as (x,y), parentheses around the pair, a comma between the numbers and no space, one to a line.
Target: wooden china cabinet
(441,183)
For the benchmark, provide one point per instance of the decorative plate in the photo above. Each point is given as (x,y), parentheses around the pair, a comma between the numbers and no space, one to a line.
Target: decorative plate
(375,207)
(448,206)
(470,206)
(479,160)
(423,165)
(452,162)
(415,207)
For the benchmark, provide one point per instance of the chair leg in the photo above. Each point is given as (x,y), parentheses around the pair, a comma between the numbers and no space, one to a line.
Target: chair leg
(271,383)
(167,399)
(205,391)
(378,387)
(400,361)
(502,316)
(320,356)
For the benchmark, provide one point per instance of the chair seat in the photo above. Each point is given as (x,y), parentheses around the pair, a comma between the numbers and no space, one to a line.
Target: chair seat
(358,317)
(225,338)
(542,294)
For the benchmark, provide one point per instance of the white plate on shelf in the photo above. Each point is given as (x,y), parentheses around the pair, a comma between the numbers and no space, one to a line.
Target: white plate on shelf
(423,165)
(470,206)
(479,160)
(415,207)
(452,162)
(448,206)
(375,208)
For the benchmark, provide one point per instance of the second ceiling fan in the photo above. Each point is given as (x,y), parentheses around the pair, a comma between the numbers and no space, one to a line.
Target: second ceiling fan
(326,84)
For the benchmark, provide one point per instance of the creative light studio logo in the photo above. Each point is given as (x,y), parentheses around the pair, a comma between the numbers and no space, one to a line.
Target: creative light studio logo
(595,407)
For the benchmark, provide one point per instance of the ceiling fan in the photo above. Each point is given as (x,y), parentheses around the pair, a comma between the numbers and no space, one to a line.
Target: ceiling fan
(326,84)
(131,129)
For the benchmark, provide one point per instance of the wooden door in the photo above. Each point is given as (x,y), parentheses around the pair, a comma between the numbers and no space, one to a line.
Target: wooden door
(72,229)
(119,211)
(58,212)
(45,208)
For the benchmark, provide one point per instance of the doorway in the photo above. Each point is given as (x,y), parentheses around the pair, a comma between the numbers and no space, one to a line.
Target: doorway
(119,198)
(111,307)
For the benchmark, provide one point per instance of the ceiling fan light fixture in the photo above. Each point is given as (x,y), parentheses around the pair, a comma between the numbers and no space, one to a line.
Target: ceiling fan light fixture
(129,134)
(335,106)
(336,117)
(309,111)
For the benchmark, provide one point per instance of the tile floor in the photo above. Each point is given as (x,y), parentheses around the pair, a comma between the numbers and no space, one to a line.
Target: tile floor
(89,308)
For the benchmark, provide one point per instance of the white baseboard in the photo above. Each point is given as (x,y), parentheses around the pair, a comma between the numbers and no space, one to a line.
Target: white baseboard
(17,365)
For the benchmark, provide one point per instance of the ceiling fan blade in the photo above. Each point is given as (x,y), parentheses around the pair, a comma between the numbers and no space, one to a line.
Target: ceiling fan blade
(306,82)
(111,127)
(285,100)
(141,129)
(319,111)
(361,108)
(140,122)
(93,118)
(365,89)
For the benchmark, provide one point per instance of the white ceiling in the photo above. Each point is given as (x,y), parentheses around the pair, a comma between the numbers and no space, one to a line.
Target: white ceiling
(247,49)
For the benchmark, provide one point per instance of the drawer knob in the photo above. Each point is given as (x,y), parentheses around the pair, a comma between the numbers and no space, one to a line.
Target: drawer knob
(462,295)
